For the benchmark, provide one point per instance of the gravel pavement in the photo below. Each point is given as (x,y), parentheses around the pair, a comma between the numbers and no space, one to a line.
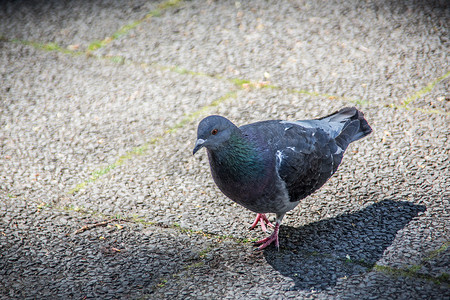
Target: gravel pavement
(101,198)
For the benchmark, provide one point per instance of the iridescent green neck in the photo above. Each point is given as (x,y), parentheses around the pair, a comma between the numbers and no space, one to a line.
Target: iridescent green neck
(240,158)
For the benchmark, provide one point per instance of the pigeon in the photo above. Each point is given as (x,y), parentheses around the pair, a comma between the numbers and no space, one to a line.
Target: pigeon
(269,166)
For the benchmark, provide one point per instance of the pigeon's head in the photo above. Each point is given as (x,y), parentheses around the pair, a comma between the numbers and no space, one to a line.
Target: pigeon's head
(212,132)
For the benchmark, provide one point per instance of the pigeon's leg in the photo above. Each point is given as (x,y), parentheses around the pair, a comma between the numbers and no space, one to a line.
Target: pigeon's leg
(261,218)
(273,237)
(270,239)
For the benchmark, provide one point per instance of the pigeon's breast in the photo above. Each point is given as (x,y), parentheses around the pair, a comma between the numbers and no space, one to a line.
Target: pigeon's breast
(248,181)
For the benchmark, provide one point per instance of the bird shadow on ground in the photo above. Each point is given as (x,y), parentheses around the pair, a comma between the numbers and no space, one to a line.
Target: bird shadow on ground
(315,256)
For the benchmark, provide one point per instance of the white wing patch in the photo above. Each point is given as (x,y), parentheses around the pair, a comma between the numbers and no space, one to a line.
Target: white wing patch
(339,150)
(301,123)
(331,128)
(279,157)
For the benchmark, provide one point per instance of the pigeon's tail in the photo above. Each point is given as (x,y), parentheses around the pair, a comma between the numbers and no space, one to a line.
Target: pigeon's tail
(354,127)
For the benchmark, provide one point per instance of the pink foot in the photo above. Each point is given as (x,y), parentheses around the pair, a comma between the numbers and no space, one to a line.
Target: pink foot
(270,239)
(261,218)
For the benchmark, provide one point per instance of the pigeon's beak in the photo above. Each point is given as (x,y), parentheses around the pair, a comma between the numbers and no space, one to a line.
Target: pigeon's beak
(199,145)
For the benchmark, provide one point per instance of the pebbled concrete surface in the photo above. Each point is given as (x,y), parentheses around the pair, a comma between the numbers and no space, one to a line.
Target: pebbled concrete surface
(100,196)
(354,48)
(74,24)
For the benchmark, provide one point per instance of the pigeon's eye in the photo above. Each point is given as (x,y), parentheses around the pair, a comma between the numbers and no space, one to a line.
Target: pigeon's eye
(214,131)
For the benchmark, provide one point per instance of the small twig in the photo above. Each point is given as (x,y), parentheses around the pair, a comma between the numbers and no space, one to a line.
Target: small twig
(90,226)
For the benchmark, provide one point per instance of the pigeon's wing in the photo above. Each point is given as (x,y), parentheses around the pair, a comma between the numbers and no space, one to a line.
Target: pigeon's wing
(306,157)
(346,125)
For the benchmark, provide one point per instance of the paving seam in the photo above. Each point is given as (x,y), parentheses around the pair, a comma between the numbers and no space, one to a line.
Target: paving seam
(137,220)
(124,30)
(97,44)
(418,109)
(137,151)
(411,271)
(175,3)
(244,83)
(424,90)
(247,84)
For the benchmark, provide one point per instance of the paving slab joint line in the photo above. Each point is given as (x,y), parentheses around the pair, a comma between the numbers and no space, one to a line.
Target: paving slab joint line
(217,238)
(136,151)
(135,219)
(444,278)
(424,90)
(405,272)
(50,46)
(175,276)
(418,109)
(247,84)
(243,84)
(95,45)
(412,271)
(200,262)
(433,254)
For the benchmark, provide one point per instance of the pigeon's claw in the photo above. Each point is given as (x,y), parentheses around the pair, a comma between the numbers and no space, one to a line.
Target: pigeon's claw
(270,239)
(261,218)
